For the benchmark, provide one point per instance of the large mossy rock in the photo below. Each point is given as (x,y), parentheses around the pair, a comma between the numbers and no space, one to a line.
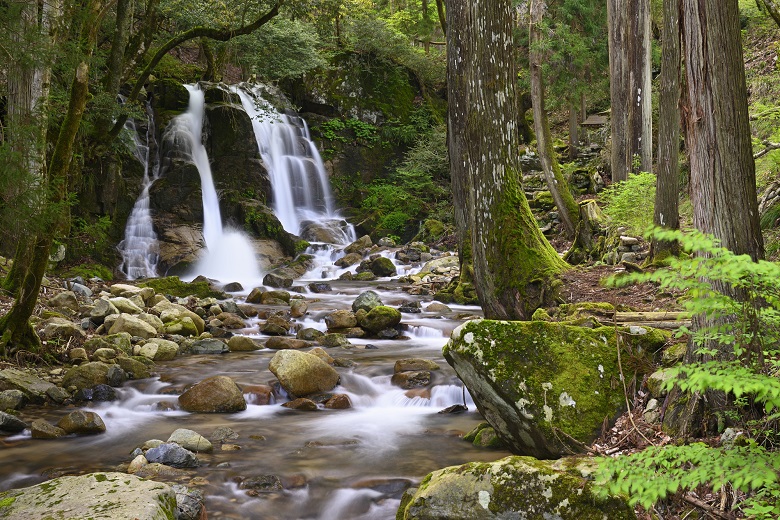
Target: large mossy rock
(96,495)
(302,374)
(541,384)
(513,487)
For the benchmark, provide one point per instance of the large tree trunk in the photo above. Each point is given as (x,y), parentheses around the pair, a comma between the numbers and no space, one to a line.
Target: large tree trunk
(666,211)
(514,266)
(568,210)
(629,65)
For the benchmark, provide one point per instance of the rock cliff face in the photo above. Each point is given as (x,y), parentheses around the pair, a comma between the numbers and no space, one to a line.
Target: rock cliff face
(240,178)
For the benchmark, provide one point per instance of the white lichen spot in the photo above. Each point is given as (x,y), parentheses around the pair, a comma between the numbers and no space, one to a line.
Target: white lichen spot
(596,392)
(565,400)
(469,338)
(601,371)
(548,413)
(522,386)
(484,499)
(521,404)
(547,386)
(547,493)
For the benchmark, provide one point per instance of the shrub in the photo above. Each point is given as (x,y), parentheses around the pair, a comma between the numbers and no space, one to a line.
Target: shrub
(630,203)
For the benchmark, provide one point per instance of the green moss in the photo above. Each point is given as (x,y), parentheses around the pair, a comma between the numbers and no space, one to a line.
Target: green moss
(7,501)
(88,271)
(172,285)
(541,315)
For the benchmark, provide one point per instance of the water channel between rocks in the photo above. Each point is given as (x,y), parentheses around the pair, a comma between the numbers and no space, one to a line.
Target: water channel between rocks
(334,464)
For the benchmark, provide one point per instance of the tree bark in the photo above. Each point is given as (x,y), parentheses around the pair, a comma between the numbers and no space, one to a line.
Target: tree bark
(666,211)
(442,16)
(629,64)
(514,266)
(773,8)
(568,210)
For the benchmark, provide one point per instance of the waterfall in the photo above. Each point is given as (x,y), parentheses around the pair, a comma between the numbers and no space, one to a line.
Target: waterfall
(229,255)
(139,247)
(301,190)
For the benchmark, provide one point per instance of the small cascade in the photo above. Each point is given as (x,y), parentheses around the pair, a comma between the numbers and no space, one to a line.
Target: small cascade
(229,255)
(139,247)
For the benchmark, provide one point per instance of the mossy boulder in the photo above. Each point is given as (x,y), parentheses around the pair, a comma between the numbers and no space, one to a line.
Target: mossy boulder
(96,495)
(546,388)
(380,318)
(173,286)
(431,231)
(512,487)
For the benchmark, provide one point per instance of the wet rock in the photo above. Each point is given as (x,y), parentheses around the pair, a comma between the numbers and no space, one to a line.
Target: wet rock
(284,296)
(258,394)
(414,364)
(191,440)
(348,260)
(152,320)
(137,464)
(158,349)
(224,433)
(383,266)
(303,404)
(184,326)
(387,334)
(171,312)
(77,355)
(408,380)
(261,484)
(359,245)
(411,307)
(82,422)
(380,317)
(106,355)
(208,346)
(87,375)
(231,321)
(298,308)
(233,287)
(277,279)
(100,393)
(134,368)
(484,436)
(302,374)
(539,489)
(11,424)
(218,394)
(125,305)
(242,344)
(96,495)
(280,342)
(366,300)
(43,429)
(118,342)
(309,334)
(172,455)
(338,402)
(340,319)
(320,353)
(133,326)
(12,400)
(334,340)
(255,295)
(276,326)
(62,329)
(320,287)
(189,502)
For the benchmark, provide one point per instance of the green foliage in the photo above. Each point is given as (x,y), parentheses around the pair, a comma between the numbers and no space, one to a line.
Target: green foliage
(89,270)
(630,203)
(349,131)
(749,328)
(90,240)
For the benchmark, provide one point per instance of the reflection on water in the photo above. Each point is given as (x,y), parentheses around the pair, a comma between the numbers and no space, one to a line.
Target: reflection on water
(334,464)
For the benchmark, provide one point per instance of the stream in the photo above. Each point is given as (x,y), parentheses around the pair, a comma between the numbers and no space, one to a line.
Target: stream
(333,464)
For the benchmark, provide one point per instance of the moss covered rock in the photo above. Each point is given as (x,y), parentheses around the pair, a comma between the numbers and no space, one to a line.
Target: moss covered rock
(379,318)
(513,487)
(173,286)
(541,384)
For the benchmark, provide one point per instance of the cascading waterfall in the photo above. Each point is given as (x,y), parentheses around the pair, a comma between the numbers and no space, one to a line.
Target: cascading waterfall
(301,190)
(229,255)
(139,247)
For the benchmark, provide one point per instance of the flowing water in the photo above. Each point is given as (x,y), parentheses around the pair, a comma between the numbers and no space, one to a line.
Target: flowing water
(334,464)
(139,247)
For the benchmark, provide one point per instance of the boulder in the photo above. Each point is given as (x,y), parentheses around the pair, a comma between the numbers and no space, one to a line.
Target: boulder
(95,495)
(275,295)
(540,384)
(242,344)
(366,300)
(278,279)
(82,422)
(125,290)
(255,295)
(87,375)
(359,245)
(158,349)
(11,424)
(334,340)
(348,260)
(301,403)
(320,353)
(298,308)
(65,301)
(33,387)
(512,487)
(208,346)
(409,380)
(276,326)
(184,326)
(438,308)
(280,343)
(12,399)
(101,310)
(309,334)
(43,429)
(191,440)
(338,402)
(62,329)
(320,287)
(172,455)
(133,325)
(218,394)
(383,266)
(134,367)
(168,312)
(413,364)
(118,342)
(125,305)
(340,319)
(380,318)
(302,374)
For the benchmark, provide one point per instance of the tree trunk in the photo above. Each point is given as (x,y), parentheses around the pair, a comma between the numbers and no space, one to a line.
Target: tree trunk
(629,65)
(116,57)
(574,135)
(773,8)
(514,266)
(568,210)
(442,16)
(666,211)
